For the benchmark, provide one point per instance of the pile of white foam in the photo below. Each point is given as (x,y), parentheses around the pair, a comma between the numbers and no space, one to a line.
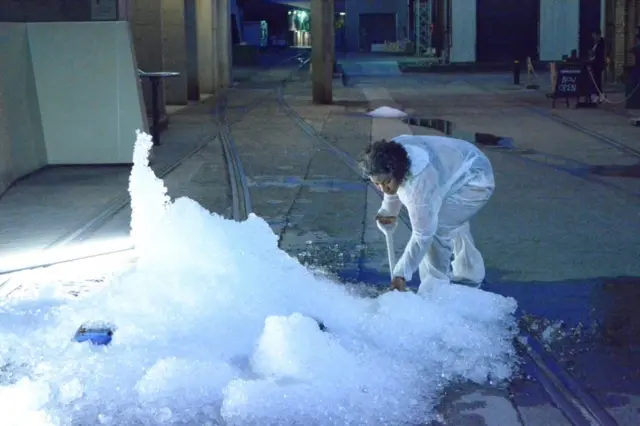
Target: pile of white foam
(387,112)
(215,327)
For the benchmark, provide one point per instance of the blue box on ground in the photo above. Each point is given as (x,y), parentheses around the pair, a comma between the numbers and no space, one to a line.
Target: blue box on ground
(96,333)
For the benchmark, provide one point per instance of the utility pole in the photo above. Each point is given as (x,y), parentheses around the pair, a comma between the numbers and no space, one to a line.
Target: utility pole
(322,50)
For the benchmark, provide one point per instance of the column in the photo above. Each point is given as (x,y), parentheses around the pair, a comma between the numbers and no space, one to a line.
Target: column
(191,39)
(322,48)
(174,49)
(619,42)
(224,43)
(631,30)
(146,29)
(205,45)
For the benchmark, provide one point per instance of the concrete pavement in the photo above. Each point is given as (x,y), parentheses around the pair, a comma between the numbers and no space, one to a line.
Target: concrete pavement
(548,236)
(553,228)
(53,203)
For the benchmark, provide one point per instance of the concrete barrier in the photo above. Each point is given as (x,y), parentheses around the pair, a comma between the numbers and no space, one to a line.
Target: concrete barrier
(69,94)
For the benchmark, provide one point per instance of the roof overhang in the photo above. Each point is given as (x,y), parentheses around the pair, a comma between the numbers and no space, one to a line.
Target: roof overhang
(306,4)
(300,4)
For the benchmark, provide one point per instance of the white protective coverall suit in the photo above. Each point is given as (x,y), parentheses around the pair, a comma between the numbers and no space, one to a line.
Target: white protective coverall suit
(449,181)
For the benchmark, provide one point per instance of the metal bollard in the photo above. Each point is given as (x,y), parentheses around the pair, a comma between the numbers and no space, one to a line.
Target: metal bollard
(516,72)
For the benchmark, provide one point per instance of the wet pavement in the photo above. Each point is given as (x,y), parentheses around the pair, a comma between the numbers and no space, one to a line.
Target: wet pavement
(559,234)
(593,328)
(563,217)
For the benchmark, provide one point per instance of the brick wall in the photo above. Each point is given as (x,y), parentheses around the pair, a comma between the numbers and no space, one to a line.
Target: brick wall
(631,29)
(626,21)
(619,36)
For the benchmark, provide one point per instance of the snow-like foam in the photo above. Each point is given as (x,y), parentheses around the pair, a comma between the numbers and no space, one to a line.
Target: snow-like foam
(215,327)
(387,112)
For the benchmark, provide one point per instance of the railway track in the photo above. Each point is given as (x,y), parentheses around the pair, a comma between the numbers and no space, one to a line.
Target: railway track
(576,404)
(598,137)
(566,392)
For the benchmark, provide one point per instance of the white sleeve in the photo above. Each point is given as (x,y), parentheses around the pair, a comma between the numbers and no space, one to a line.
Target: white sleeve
(391,206)
(423,208)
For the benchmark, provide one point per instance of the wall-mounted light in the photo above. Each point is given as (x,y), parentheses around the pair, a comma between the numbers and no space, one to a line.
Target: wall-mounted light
(342,13)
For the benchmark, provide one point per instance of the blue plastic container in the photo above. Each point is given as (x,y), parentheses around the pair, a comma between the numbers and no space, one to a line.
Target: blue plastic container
(97,334)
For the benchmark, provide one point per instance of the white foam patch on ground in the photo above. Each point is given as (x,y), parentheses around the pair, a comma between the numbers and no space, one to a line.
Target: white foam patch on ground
(215,327)
(387,112)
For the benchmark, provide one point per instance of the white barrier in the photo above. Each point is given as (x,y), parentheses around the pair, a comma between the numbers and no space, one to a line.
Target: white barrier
(69,94)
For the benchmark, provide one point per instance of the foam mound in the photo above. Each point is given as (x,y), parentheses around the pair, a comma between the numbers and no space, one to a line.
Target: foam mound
(215,327)
(387,112)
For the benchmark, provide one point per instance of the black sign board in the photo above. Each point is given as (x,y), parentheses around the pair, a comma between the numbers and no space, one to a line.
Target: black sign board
(568,82)
(574,80)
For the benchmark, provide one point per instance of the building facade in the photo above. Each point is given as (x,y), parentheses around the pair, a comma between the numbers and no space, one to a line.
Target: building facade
(374,22)
(497,30)
(505,30)
(622,28)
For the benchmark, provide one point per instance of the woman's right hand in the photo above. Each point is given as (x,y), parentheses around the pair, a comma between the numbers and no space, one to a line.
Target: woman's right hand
(386,220)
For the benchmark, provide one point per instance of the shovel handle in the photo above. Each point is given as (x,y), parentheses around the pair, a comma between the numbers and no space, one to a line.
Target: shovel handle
(388,231)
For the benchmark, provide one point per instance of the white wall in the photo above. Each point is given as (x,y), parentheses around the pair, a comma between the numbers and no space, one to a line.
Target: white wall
(559,28)
(463,30)
(88,90)
(69,94)
(22,147)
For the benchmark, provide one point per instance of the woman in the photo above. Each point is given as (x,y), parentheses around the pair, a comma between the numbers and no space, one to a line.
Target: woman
(598,63)
(443,182)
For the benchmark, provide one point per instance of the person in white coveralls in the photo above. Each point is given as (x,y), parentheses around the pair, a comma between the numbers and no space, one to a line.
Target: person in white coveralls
(443,182)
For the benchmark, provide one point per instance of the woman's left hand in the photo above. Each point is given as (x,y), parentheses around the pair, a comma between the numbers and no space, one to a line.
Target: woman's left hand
(398,283)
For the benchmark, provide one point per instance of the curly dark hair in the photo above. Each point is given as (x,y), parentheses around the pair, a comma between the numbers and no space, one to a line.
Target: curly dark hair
(385,158)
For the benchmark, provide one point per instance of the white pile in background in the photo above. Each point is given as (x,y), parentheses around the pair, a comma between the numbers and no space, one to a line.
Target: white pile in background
(214,327)
(387,112)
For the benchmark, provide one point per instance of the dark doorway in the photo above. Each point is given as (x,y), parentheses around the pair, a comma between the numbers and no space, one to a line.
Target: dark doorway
(235,31)
(376,28)
(590,15)
(507,30)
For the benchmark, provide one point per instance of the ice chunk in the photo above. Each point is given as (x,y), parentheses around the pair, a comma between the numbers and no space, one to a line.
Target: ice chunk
(387,112)
(200,382)
(23,403)
(292,347)
(70,391)
(216,325)
(307,376)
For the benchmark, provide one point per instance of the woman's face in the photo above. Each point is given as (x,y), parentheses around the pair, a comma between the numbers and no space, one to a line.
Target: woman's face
(386,184)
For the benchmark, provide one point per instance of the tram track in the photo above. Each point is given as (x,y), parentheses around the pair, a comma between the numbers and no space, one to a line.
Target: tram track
(605,140)
(580,169)
(241,198)
(576,404)
(566,393)
(587,172)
